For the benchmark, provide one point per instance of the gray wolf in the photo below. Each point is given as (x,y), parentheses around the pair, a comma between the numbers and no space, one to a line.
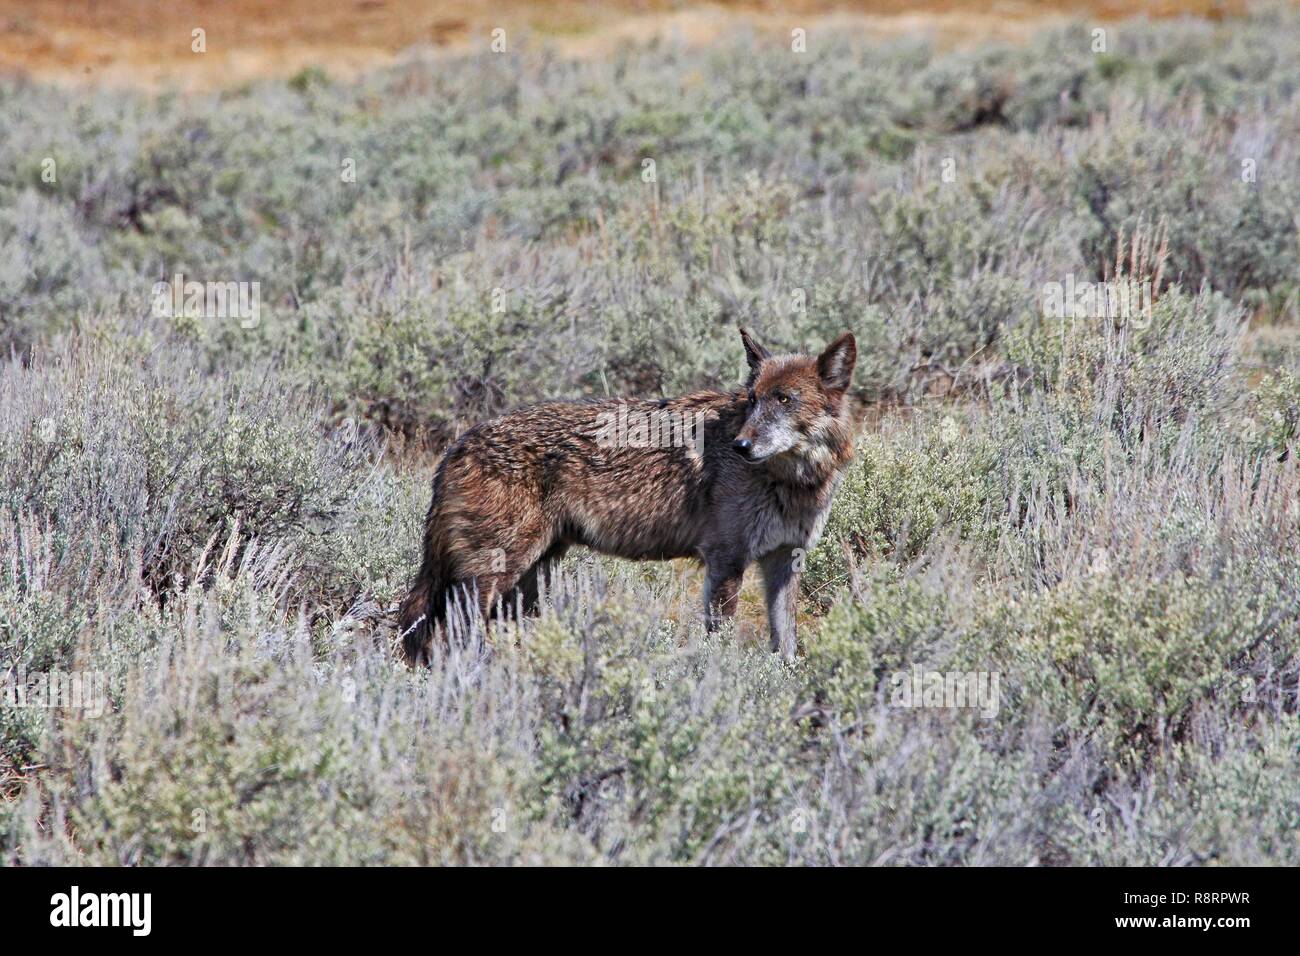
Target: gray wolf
(727,478)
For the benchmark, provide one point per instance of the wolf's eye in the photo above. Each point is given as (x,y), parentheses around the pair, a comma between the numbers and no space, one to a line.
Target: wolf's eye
(783,399)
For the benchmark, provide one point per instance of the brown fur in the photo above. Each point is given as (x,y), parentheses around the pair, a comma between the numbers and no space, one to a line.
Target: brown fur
(512,494)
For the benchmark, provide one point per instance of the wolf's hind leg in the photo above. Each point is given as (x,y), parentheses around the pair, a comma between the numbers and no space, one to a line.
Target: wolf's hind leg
(721,592)
(501,570)
(526,595)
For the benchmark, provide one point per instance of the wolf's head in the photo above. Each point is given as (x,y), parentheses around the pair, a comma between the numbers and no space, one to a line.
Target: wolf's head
(797,407)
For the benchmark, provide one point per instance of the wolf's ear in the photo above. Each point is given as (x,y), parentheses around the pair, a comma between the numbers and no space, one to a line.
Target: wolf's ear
(835,365)
(754,353)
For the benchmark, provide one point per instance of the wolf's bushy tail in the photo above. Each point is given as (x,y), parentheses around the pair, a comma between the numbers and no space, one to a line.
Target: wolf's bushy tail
(426,603)
(416,617)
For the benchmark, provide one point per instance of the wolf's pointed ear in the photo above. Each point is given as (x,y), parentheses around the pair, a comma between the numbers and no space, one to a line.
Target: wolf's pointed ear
(754,353)
(835,365)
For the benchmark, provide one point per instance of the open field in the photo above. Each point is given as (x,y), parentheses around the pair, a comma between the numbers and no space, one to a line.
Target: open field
(134,43)
(209,516)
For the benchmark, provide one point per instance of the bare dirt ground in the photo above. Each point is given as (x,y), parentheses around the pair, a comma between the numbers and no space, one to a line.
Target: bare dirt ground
(148,43)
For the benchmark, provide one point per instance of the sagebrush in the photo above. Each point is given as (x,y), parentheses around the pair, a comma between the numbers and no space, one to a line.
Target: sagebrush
(221,518)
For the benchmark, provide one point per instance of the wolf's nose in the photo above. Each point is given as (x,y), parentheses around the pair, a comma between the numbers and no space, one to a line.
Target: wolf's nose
(742,445)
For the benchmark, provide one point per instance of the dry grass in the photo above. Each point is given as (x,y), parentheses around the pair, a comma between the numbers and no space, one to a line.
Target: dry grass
(147,42)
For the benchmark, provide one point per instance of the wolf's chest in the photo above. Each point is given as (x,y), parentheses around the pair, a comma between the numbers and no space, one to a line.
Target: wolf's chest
(787,524)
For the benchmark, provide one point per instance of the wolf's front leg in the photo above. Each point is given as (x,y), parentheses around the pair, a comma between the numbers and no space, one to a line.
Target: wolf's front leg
(781,583)
(721,593)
